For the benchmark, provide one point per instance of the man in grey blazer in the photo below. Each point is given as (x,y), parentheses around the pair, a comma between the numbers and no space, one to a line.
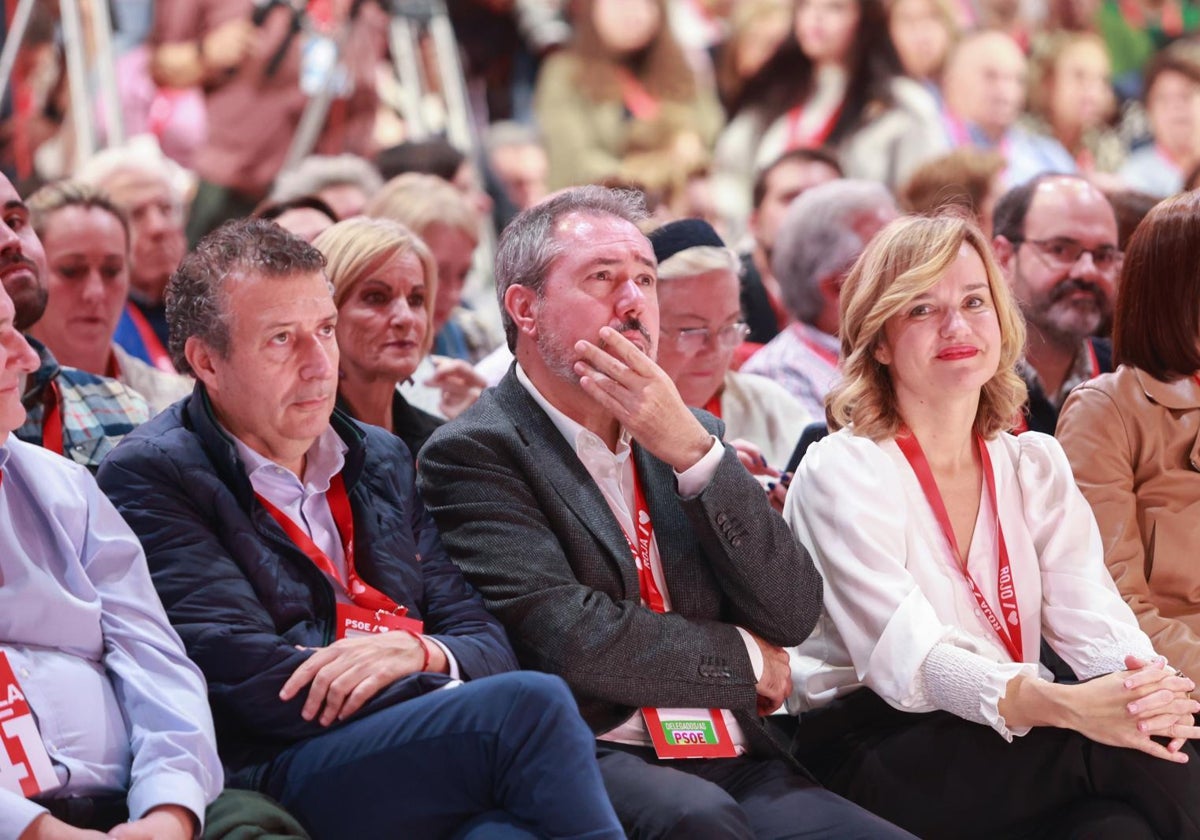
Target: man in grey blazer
(624,547)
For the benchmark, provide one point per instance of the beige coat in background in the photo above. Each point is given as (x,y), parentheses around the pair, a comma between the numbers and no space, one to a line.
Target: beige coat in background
(1132,442)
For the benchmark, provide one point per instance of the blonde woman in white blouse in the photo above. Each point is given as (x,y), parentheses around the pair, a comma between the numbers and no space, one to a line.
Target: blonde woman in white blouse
(950,550)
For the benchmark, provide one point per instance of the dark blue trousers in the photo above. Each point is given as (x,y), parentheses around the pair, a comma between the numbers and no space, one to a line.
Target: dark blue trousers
(504,756)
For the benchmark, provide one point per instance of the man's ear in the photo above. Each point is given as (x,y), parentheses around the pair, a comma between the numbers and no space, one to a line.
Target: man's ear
(1005,253)
(200,358)
(520,302)
(831,286)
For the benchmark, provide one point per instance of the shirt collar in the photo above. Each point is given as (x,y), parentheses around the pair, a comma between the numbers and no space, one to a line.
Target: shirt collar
(324,459)
(1081,371)
(817,336)
(576,435)
(48,368)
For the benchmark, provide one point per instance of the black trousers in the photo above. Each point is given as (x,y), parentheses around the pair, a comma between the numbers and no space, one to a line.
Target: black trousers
(940,776)
(727,799)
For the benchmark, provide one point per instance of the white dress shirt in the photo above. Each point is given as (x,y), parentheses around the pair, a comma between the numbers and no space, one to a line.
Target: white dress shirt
(899,616)
(613,474)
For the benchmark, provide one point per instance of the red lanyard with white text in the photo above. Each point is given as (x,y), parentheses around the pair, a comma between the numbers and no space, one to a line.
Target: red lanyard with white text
(644,533)
(1009,635)
(360,592)
(675,733)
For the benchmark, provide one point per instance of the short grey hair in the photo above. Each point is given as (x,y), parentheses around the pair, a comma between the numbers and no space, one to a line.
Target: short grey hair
(701,259)
(817,238)
(508,133)
(317,172)
(529,246)
(196,291)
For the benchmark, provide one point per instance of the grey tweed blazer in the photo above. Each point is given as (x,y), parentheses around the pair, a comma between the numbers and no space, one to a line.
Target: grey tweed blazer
(521,516)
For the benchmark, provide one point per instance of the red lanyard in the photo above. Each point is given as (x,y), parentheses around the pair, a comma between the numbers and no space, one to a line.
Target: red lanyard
(159,357)
(814,139)
(911,448)
(360,592)
(52,429)
(809,342)
(713,406)
(644,531)
(639,101)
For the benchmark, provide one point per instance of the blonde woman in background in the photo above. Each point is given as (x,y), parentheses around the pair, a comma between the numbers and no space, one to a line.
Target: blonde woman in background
(384,284)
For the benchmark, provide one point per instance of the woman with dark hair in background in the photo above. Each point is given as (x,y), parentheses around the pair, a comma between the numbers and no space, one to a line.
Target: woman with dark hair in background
(838,83)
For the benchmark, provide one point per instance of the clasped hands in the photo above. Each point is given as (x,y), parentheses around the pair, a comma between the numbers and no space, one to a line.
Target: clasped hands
(1130,708)
(345,675)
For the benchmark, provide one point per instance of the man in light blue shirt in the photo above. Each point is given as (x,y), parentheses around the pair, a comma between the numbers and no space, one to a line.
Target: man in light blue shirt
(120,709)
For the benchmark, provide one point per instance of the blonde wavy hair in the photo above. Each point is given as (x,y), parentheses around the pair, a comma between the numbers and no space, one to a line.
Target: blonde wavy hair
(358,247)
(904,260)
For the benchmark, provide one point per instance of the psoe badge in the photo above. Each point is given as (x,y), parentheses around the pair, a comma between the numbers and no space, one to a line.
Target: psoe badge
(689,733)
(25,767)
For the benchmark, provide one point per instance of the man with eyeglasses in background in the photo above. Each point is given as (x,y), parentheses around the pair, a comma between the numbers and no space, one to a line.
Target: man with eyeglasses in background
(1055,237)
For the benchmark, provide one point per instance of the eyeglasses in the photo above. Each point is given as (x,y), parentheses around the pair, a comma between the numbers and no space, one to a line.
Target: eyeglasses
(1062,252)
(695,339)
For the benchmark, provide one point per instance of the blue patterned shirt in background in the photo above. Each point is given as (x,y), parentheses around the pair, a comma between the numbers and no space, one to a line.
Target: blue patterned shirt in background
(96,411)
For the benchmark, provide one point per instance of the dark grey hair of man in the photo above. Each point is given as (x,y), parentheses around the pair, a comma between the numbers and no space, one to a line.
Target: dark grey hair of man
(529,245)
(196,300)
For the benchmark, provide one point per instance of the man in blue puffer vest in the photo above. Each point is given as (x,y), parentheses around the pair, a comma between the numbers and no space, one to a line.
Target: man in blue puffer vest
(297,562)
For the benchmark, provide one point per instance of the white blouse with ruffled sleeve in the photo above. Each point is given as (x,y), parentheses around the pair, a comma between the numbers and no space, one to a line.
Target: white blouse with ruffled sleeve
(899,616)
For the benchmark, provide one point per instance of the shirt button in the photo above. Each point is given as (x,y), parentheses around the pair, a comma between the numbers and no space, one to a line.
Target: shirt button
(979,612)
(24,672)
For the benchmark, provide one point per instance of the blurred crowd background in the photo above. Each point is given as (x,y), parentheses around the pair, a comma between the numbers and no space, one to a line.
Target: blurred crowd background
(257,104)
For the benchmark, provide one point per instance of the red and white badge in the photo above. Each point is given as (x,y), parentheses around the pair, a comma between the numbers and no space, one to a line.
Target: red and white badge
(353,620)
(689,733)
(25,767)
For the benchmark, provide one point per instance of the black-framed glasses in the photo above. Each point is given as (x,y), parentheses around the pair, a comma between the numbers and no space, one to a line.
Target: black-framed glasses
(1062,252)
(695,339)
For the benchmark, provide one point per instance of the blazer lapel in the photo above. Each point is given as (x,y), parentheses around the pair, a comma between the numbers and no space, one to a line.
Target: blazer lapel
(564,471)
